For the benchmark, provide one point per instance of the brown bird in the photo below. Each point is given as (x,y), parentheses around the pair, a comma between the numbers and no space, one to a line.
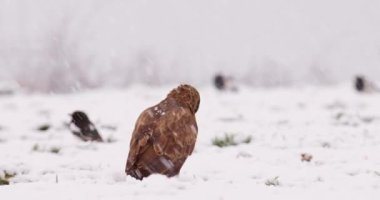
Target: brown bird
(164,135)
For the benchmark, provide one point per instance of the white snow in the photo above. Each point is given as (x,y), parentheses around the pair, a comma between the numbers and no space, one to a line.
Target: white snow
(338,127)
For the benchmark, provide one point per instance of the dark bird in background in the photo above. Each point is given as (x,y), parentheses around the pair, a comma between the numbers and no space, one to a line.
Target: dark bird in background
(363,85)
(82,127)
(359,83)
(219,82)
(224,83)
(164,135)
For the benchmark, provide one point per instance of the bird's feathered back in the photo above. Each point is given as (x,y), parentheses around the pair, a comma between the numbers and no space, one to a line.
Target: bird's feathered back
(164,135)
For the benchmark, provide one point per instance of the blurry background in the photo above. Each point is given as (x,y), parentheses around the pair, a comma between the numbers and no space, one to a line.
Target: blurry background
(67,45)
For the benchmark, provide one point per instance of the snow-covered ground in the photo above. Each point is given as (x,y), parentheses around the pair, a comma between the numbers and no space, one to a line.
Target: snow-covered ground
(338,127)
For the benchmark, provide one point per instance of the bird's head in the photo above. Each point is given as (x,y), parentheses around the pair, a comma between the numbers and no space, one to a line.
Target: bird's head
(79,117)
(186,95)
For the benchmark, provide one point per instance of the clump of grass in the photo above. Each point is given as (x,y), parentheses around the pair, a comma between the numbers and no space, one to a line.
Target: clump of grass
(55,150)
(326,145)
(339,115)
(227,140)
(111,139)
(8,175)
(109,127)
(36,147)
(247,140)
(230,140)
(367,119)
(43,127)
(272,182)
(5,180)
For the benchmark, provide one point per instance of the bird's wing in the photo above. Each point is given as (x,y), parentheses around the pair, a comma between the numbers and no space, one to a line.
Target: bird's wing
(175,134)
(141,134)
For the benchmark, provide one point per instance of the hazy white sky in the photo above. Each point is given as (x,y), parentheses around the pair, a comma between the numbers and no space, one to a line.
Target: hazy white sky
(116,42)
